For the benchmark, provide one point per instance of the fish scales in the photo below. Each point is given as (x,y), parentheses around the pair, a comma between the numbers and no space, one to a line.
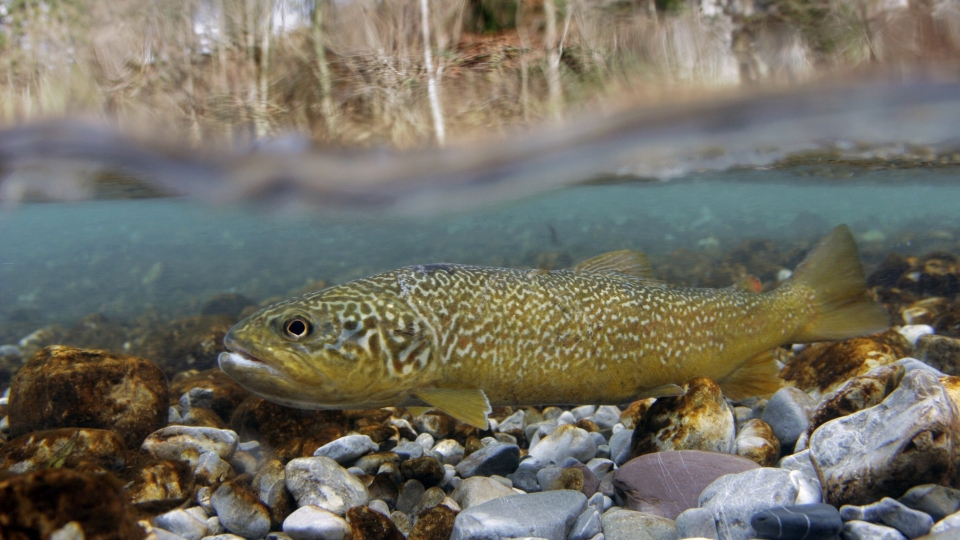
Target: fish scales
(461,338)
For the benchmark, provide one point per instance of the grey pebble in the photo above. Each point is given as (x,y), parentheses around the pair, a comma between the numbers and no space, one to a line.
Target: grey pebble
(565,441)
(620,524)
(525,477)
(323,482)
(450,451)
(410,493)
(800,461)
(171,441)
(182,523)
(212,469)
(270,483)
(380,506)
(426,441)
(551,413)
(277,536)
(214,526)
(587,525)
(347,448)
(430,498)
(912,523)
(735,498)
(697,523)
(938,501)
(409,450)
(402,521)
(314,523)
(497,458)
(910,364)
(549,514)
(157,534)
(607,416)
(516,421)
(620,446)
(797,522)
(567,417)
(948,523)
(864,530)
(600,466)
(788,413)
(228,536)
(238,513)
(583,411)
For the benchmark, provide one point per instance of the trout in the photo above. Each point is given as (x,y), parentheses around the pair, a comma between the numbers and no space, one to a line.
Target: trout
(462,338)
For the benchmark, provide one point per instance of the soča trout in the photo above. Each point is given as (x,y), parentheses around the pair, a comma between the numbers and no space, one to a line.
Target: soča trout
(460,338)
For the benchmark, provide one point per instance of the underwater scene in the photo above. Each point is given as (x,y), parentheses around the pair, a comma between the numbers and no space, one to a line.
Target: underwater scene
(565,270)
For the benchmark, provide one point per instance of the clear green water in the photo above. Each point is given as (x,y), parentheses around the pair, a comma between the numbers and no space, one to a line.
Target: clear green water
(124,257)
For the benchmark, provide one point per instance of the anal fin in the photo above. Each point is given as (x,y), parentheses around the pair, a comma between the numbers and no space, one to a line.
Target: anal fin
(470,406)
(758,376)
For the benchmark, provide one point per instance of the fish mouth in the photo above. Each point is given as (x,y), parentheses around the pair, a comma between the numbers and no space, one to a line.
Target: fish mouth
(239,360)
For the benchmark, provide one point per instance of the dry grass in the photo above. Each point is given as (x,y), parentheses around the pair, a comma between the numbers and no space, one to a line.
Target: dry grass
(145,65)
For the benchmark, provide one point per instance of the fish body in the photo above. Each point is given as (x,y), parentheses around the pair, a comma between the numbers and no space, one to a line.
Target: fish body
(462,338)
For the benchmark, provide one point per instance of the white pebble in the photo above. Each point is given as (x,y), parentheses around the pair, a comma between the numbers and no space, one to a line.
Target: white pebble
(913,332)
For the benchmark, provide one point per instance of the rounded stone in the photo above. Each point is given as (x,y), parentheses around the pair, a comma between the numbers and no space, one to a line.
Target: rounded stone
(501,459)
(428,470)
(368,524)
(240,511)
(566,441)
(698,420)
(314,523)
(797,522)
(69,387)
(548,514)
(620,524)
(347,448)
(323,482)
(757,442)
(478,490)
(788,413)
(173,441)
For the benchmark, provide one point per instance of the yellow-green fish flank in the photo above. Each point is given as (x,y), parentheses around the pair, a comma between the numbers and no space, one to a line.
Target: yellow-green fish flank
(463,337)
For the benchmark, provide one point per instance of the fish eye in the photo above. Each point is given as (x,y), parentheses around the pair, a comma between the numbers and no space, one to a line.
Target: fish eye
(296,328)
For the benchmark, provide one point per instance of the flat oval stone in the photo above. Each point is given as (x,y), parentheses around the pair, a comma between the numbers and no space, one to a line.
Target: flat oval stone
(478,490)
(312,523)
(240,511)
(797,522)
(500,459)
(566,441)
(172,441)
(347,448)
(667,483)
(322,482)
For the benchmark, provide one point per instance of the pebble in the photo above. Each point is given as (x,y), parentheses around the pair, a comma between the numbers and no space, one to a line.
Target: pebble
(161,482)
(607,416)
(910,364)
(549,514)
(552,477)
(173,441)
(240,511)
(698,420)
(449,450)
(858,393)
(566,417)
(800,461)
(940,352)
(620,524)
(347,448)
(587,525)
(182,523)
(478,490)
(323,482)
(428,470)
(906,440)
(314,523)
(410,494)
(367,524)
(864,530)
(62,387)
(757,442)
(937,501)
(408,450)
(914,333)
(497,458)
(583,411)
(514,422)
(565,441)
(735,498)
(426,441)
(434,524)
(797,522)
(436,424)
(212,469)
(788,412)
(620,446)
(667,483)
(271,488)
(912,523)
(946,524)
(697,523)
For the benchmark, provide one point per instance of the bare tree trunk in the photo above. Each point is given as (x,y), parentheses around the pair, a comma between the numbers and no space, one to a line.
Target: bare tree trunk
(554,90)
(431,76)
(323,72)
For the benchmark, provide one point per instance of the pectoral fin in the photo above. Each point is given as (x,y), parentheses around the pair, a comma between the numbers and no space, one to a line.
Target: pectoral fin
(758,376)
(664,390)
(470,406)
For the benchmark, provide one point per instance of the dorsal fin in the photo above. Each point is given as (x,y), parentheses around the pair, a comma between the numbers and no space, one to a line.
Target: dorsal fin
(625,261)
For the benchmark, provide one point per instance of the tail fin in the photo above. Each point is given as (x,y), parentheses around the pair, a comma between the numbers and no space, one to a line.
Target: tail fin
(844,309)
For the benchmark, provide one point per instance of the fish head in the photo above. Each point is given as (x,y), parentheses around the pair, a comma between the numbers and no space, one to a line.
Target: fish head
(357,345)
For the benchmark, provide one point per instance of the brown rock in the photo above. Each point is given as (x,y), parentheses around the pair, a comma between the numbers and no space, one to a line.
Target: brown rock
(36,504)
(159,483)
(368,524)
(371,463)
(631,416)
(698,420)
(227,394)
(379,433)
(667,483)
(827,366)
(67,447)
(941,352)
(434,524)
(757,442)
(427,469)
(66,387)
(588,425)
(384,487)
(859,393)
(275,425)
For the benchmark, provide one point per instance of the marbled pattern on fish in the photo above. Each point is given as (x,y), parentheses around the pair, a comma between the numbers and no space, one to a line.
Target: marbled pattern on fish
(455,336)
